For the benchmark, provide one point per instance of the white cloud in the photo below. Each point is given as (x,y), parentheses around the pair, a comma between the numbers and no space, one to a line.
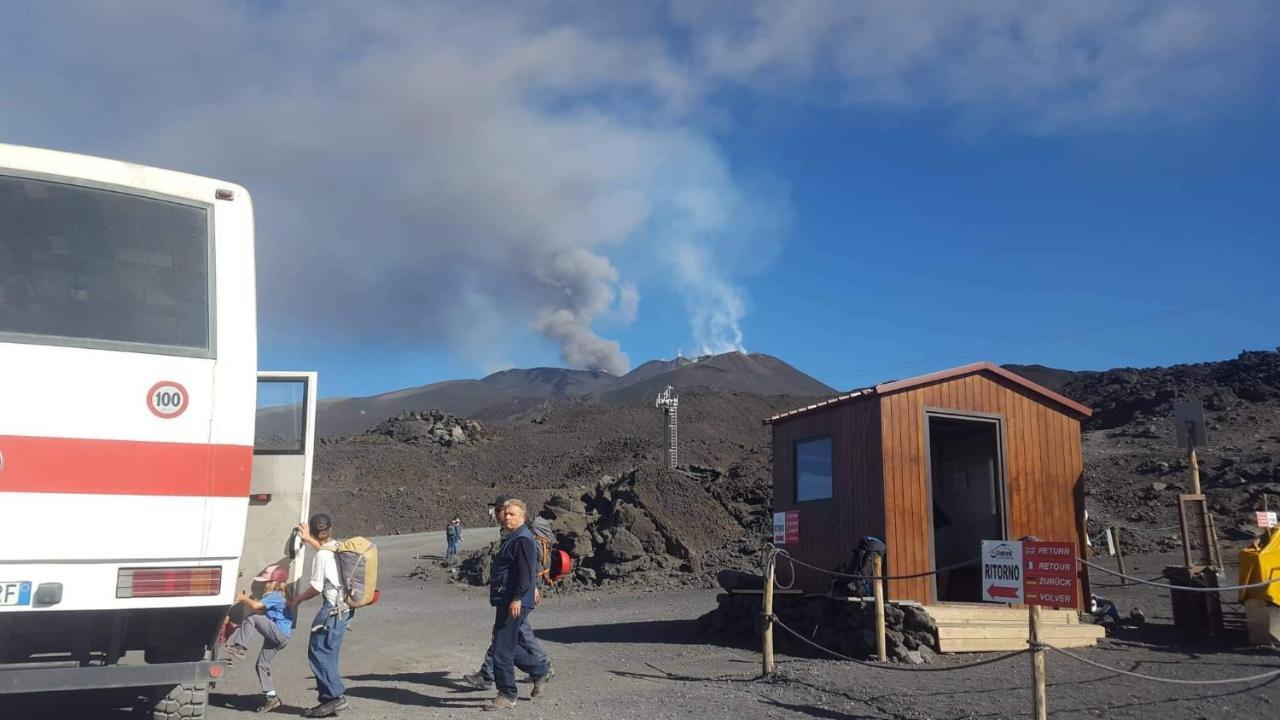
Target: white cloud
(464,172)
(420,171)
(1043,67)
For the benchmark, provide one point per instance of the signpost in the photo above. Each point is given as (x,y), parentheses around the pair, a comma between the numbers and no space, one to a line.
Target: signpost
(1049,574)
(1036,573)
(1266,519)
(1002,571)
(786,527)
(1188,420)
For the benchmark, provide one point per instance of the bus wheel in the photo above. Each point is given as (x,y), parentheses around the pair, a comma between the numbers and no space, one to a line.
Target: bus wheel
(182,702)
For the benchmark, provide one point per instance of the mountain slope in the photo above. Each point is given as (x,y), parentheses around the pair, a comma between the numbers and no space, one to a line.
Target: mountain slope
(756,373)
(511,393)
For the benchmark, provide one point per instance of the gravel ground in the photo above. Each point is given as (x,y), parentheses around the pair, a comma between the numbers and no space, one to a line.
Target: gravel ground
(636,654)
(632,654)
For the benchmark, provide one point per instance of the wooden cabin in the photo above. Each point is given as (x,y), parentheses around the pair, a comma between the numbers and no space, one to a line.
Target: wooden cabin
(932,465)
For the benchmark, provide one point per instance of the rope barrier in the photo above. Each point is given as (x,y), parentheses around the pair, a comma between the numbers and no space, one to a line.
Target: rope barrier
(1172,681)
(1166,528)
(1031,646)
(773,560)
(783,553)
(1229,588)
(774,619)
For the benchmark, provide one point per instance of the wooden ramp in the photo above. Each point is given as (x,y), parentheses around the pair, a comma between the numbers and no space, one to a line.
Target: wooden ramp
(973,627)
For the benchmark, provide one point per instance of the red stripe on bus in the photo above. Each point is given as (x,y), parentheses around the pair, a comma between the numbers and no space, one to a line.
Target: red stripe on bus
(123,467)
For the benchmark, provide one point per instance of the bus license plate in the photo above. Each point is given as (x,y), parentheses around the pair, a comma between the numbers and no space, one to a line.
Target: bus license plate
(15,593)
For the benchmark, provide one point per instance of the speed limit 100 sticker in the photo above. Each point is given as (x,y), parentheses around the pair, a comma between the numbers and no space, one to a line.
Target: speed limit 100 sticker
(167,399)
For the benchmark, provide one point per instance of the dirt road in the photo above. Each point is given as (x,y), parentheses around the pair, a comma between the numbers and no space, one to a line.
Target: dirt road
(636,655)
(632,654)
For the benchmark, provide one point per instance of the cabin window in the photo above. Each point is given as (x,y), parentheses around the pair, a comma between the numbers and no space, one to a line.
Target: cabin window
(813,469)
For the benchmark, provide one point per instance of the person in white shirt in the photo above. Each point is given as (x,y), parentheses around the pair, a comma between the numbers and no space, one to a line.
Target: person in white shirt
(330,624)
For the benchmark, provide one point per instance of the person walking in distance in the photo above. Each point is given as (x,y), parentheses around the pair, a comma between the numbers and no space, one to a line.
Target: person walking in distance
(453,539)
(330,624)
(511,593)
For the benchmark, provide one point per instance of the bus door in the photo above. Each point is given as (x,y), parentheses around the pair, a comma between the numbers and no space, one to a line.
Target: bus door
(280,491)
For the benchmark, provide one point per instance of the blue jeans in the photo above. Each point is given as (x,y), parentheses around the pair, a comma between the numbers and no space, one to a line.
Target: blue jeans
(509,652)
(452,550)
(322,651)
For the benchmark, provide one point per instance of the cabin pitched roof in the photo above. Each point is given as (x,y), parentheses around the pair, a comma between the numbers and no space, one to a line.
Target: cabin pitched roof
(1063,403)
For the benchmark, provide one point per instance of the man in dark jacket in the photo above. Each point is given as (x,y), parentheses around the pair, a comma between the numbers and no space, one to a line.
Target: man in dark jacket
(482,679)
(511,593)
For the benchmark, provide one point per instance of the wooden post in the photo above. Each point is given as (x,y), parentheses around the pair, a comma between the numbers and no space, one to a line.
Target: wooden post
(1115,536)
(768,614)
(876,571)
(1038,710)
(1195,467)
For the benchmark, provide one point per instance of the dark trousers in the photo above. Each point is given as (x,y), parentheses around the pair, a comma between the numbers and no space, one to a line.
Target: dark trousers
(327,631)
(528,644)
(509,653)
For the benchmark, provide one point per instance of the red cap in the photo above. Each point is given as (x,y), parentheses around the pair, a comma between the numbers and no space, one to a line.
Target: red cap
(273,573)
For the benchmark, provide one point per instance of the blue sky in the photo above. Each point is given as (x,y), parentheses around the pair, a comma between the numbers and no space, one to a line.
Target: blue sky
(866,190)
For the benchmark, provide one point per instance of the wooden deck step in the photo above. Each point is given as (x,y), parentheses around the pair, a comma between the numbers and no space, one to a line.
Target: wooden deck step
(970,612)
(974,627)
(970,632)
(954,638)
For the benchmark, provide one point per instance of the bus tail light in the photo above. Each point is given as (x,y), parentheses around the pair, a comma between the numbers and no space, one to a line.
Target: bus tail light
(168,582)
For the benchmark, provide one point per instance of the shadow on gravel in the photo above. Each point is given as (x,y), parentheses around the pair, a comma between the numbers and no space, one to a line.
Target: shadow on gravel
(816,712)
(436,679)
(674,632)
(1102,709)
(402,696)
(49,706)
(249,703)
(663,675)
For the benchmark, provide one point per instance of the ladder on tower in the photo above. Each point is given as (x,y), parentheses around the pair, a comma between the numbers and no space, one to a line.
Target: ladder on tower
(670,402)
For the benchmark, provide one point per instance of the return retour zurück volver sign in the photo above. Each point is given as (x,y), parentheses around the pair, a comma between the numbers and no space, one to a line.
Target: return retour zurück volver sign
(1033,572)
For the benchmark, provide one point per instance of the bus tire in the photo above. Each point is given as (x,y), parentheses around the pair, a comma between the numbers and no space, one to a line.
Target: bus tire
(183,702)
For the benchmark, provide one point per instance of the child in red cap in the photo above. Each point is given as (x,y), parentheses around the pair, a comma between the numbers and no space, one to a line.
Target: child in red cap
(269,617)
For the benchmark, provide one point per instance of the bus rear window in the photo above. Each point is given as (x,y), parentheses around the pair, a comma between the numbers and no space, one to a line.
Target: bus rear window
(99,268)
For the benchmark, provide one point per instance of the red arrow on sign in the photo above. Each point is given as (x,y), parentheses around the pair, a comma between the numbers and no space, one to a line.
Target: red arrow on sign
(1004,591)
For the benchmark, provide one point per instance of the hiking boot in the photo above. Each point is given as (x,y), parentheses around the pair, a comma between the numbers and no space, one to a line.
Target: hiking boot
(478,681)
(271,703)
(327,709)
(540,684)
(502,702)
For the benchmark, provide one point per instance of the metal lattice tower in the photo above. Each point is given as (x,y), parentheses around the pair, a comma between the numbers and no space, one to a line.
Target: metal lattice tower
(670,402)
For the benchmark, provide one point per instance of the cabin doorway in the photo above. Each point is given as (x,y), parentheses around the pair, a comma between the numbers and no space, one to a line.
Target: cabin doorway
(967,489)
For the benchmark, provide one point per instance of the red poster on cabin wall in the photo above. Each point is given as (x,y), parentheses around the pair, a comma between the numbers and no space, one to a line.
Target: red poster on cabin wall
(786,527)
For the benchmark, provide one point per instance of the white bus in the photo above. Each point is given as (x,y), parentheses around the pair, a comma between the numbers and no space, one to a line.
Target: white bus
(130,489)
